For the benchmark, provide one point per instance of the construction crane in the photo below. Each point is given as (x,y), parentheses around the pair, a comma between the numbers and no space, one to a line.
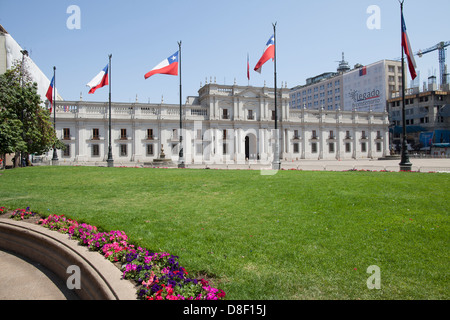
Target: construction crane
(442,66)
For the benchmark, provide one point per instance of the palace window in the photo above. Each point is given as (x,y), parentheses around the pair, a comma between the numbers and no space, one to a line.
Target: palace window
(296,148)
(95,134)
(348,147)
(314,147)
(331,147)
(363,147)
(123,150)
(66,150)
(95,150)
(225,114)
(150,149)
(123,134)
(149,134)
(66,134)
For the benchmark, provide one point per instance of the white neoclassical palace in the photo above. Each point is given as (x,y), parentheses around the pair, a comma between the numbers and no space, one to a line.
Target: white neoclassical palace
(223,124)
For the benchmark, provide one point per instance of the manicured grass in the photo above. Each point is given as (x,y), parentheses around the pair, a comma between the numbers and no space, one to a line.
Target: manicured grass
(293,235)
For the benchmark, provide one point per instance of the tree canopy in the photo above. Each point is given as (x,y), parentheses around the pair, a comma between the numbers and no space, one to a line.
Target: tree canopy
(25,125)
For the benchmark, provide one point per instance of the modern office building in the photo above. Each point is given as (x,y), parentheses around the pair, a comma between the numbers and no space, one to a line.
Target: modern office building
(11,52)
(427,114)
(362,88)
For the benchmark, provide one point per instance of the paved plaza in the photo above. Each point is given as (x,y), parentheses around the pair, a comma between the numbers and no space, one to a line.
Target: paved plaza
(418,164)
(23,279)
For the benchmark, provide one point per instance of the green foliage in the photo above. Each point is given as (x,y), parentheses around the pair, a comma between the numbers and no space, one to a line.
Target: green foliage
(25,125)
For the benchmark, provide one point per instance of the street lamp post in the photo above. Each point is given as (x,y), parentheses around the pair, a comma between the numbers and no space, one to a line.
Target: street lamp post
(55,154)
(276,156)
(24,53)
(181,163)
(405,164)
(110,159)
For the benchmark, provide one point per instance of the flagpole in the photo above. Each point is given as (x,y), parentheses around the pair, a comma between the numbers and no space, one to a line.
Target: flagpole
(276,160)
(110,159)
(405,164)
(181,163)
(248,70)
(55,155)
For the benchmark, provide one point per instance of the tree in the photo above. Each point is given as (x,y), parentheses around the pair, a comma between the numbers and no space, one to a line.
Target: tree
(25,126)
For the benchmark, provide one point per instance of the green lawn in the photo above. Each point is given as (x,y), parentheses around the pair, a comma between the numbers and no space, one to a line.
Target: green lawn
(293,235)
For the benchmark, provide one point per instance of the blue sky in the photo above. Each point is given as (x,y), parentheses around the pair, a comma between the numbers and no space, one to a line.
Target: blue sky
(216,38)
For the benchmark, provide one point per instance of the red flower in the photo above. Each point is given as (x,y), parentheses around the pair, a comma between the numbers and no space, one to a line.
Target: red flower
(221,294)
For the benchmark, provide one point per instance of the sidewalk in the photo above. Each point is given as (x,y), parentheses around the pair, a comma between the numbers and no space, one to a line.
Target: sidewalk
(35,262)
(23,279)
(419,165)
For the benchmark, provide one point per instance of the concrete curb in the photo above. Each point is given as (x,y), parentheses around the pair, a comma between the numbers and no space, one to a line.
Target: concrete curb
(99,278)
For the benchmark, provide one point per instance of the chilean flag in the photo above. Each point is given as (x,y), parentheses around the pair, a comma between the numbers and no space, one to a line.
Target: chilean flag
(362,71)
(49,94)
(408,51)
(269,52)
(99,80)
(167,66)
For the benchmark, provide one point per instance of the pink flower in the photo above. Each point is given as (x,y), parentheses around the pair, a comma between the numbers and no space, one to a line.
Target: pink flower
(150,281)
(165,270)
(169,289)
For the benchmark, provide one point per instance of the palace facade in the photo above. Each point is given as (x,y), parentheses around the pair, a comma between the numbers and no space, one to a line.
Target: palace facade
(223,124)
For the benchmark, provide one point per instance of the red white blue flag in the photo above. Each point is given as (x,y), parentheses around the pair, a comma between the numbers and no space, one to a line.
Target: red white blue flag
(167,66)
(269,53)
(408,51)
(362,71)
(100,80)
(49,94)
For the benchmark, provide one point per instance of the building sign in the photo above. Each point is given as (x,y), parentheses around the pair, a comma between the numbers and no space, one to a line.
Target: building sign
(365,88)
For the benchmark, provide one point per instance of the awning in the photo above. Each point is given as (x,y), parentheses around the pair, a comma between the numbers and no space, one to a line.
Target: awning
(409,129)
(441,145)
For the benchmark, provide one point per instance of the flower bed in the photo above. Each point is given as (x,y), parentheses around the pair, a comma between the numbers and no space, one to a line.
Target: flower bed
(20,214)
(158,275)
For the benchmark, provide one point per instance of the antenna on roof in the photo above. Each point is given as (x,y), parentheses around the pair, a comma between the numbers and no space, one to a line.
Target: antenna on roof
(343,65)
